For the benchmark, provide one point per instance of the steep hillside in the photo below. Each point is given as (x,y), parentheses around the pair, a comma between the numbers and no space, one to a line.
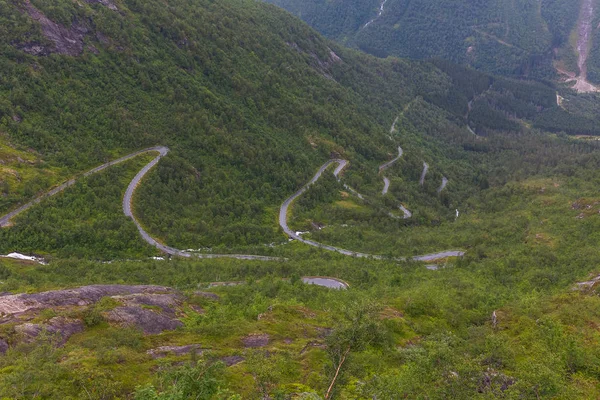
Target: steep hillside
(539,39)
(250,104)
(178,172)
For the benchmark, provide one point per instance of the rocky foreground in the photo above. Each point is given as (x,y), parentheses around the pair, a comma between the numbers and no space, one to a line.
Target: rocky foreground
(151,309)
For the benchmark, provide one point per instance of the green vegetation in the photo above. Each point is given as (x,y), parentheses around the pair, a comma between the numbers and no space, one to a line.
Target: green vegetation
(514,38)
(435,336)
(251,102)
(85,221)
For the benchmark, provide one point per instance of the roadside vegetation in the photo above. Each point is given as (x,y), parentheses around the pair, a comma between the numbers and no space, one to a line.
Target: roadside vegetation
(251,101)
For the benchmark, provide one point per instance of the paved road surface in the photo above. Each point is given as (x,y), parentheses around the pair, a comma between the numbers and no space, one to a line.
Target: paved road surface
(388,164)
(386,185)
(443,185)
(407,214)
(163,151)
(425,169)
(283,217)
(383,167)
(5,219)
(127,202)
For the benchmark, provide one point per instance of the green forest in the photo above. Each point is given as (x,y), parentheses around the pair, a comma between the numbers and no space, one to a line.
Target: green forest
(251,101)
(523,38)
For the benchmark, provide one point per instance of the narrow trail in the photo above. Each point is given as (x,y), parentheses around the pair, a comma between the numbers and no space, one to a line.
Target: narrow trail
(283,222)
(378,14)
(127,206)
(496,39)
(425,169)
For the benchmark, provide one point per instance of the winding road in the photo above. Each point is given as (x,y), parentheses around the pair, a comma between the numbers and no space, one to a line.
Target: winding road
(386,185)
(383,167)
(5,219)
(163,151)
(443,185)
(127,207)
(283,222)
(425,169)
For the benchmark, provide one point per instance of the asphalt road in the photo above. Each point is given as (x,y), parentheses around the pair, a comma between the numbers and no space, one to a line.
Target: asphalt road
(425,169)
(443,185)
(5,219)
(383,167)
(127,206)
(283,217)
(128,200)
(163,151)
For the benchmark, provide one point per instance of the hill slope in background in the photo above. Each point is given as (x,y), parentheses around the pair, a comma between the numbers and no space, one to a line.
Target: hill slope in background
(538,39)
(250,100)
(251,103)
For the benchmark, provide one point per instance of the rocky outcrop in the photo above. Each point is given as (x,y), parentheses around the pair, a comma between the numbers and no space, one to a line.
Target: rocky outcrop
(207,295)
(17,304)
(67,41)
(167,302)
(153,309)
(34,48)
(165,351)
(232,360)
(60,327)
(322,65)
(256,340)
(494,381)
(149,321)
(106,3)
(3,346)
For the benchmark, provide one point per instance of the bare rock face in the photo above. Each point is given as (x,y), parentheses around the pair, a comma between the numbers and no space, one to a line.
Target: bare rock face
(68,41)
(62,328)
(323,66)
(232,360)
(153,309)
(106,3)
(34,48)
(167,302)
(17,304)
(256,340)
(3,346)
(147,320)
(164,351)
(28,331)
(208,295)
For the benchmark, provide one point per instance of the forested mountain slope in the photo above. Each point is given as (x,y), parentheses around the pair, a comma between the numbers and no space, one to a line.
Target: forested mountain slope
(238,104)
(249,99)
(538,39)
